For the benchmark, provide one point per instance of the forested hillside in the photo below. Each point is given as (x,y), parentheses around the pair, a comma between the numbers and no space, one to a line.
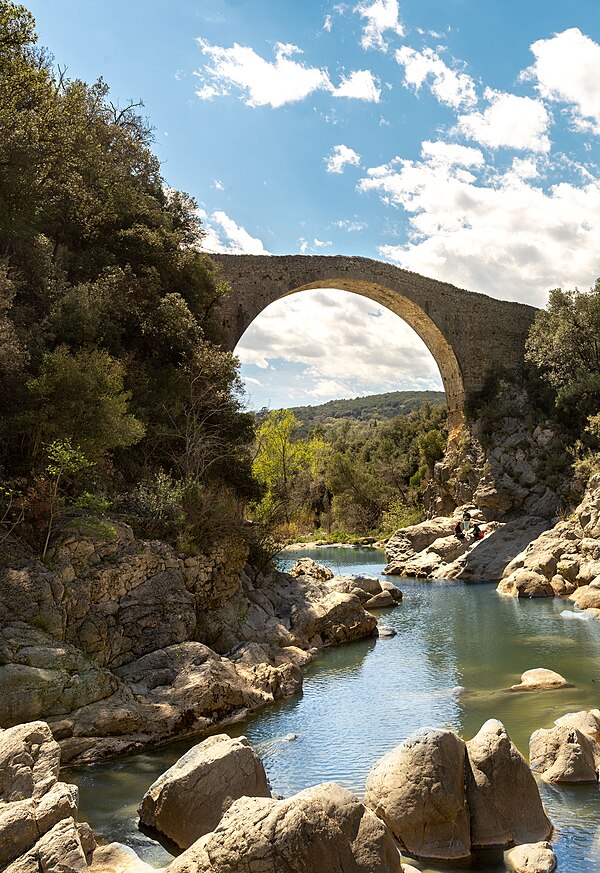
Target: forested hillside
(374,406)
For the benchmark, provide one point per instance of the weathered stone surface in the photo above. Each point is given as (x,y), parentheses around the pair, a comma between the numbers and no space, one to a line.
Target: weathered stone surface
(321,830)
(58,851)
(464,348)
(336,618)
(418,790)
(532,858)
(37,828)
(117,858)
(44,677)
(503,798)
(308,567)
(564,754)
(525,583)
(189,799)
(381,600)
(586,721)
(29,762)
(540,679)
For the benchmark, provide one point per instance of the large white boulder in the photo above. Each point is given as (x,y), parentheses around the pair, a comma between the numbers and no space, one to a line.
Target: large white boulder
(564,754)
(190,798)
(418,789)
(502,794)
(321,830)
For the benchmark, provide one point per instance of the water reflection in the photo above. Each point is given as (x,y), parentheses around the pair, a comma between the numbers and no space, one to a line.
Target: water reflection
(457,651)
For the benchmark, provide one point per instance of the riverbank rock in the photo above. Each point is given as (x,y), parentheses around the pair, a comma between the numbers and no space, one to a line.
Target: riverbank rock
(316,831)
(189,799)
(532,858)
(444,799)
(431,550)
(563,559)
(540,679)
(38,831)
(564,754)
(308,567)
(117,858)
(418,789)
(373,593)
(502,795)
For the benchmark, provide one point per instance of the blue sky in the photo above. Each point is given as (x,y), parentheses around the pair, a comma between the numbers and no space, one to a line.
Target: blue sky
(458,139)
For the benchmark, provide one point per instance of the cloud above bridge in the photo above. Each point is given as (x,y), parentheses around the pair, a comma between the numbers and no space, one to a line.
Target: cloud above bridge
(323,343)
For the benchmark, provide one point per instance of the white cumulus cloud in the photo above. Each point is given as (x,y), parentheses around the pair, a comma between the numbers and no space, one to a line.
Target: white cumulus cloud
(360,84)
(341,354)
(381,15)
(451,87)
(496,232)
(223,235)
(341,156)
(509,121)
(566,71)
(264,83)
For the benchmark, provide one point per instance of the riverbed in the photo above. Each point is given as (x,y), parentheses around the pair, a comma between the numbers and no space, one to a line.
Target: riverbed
(457,650)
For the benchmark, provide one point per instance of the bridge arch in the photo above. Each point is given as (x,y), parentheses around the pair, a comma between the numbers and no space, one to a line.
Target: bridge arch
(467,333)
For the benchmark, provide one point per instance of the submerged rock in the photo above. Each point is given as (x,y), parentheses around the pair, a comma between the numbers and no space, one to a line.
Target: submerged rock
(190,798)
(540,679)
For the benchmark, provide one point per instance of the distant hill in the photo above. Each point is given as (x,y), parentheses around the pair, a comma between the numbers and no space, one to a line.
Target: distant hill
(377,406)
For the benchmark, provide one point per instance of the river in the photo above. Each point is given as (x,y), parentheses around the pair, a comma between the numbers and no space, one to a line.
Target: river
(457,650)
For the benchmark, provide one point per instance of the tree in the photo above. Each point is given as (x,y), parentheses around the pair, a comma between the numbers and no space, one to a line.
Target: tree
(279,458)
(63,460)
(564,342)
(81,397)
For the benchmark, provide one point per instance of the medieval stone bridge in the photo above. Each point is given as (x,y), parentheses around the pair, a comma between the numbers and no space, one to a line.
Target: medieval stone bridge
(467,333)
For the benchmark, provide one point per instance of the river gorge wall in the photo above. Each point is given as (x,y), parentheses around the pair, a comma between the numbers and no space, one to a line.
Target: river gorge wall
(122,643)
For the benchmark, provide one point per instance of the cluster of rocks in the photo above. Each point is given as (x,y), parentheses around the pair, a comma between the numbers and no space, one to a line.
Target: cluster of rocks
(39,832)
(434,797)
(564,560)
(119,644)
(431,550)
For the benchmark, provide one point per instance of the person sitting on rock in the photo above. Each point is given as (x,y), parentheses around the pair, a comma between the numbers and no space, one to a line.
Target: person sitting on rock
(466,529)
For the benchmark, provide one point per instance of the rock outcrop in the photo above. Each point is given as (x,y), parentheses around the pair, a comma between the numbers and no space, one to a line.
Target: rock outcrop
(316,831)
(570,750)
(564,560)
(190,798)
(443,798)
(502,794)
(430,550)
(418,790)
(38,828)
(120,643)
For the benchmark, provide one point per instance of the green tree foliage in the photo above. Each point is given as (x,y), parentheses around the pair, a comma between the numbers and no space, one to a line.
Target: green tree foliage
(564,343)
(107,338)
(81,397)
(349,475)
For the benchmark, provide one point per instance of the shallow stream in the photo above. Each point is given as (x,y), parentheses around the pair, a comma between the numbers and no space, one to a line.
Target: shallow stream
(457,650)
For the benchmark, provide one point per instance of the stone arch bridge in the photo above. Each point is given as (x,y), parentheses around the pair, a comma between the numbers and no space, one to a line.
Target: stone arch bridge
(467,333)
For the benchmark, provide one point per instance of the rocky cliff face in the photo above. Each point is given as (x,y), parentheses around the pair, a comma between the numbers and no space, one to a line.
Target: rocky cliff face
(119,644)
(501,467)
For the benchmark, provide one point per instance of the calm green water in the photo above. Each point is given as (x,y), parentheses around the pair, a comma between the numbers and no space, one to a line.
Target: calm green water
(457,649)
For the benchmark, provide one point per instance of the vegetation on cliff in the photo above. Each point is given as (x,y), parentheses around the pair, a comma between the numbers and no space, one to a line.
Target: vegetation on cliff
(106,339)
